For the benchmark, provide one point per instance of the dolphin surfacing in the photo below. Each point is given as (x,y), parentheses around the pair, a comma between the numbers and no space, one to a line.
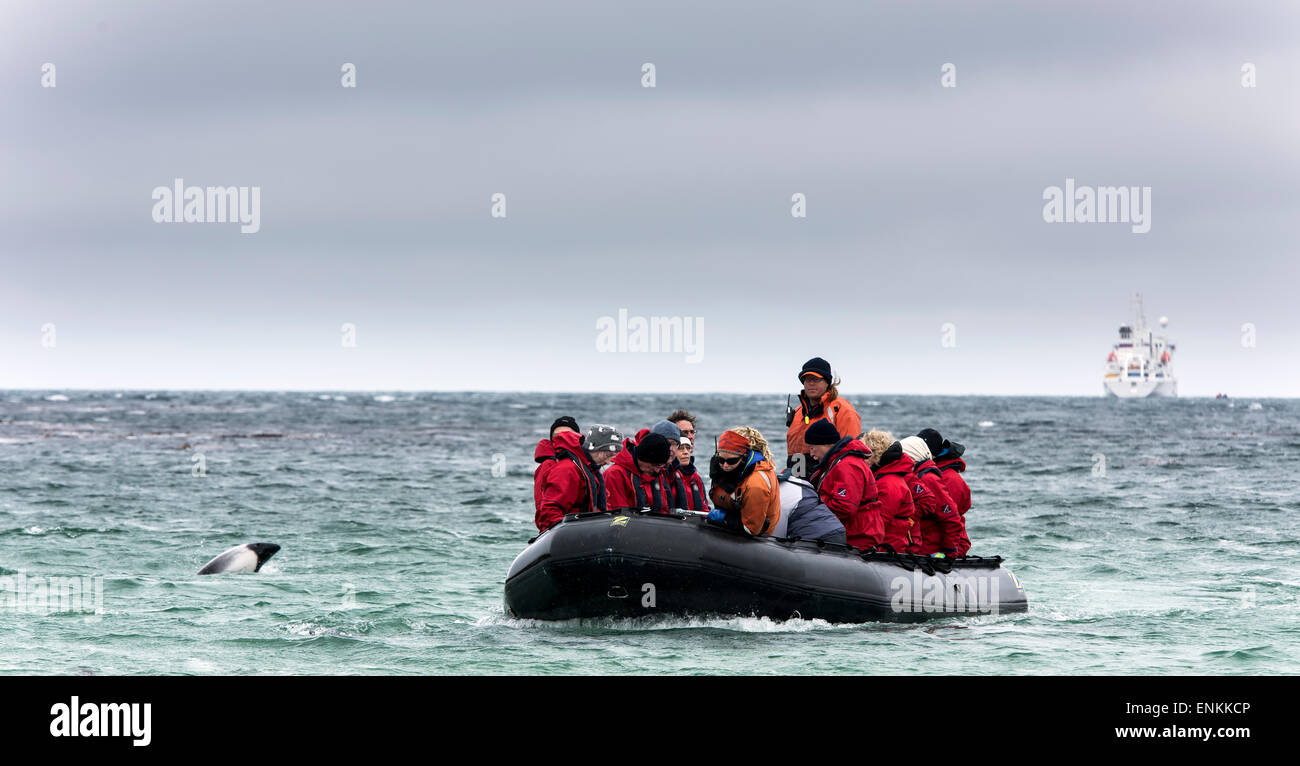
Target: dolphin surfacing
(242,558)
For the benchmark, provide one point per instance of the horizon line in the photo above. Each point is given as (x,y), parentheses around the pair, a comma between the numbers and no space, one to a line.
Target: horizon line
(847,395)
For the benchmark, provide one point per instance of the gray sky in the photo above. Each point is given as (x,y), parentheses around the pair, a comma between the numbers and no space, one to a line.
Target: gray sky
(924,203)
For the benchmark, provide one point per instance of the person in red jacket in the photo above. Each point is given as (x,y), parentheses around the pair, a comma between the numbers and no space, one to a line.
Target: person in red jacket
(892,468)
(845,484)
(677,480)
(947,458)
(696,497)
(573,484)
(941,529)
(544,456)
(636,478)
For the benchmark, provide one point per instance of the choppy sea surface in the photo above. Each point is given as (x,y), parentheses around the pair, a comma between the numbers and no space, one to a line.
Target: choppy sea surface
(1152,537)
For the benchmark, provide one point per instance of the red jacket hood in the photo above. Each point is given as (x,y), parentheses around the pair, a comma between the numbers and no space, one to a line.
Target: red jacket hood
(894,461)
(953,462)
(841,446)
(567,440)
(545,451)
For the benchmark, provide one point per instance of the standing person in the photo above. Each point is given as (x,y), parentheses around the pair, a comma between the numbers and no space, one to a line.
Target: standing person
(744,488)
(636,477)
(845,484)
(948,459)
(940,528)
(574,483)
(892,468)
(819,401)
(544,456)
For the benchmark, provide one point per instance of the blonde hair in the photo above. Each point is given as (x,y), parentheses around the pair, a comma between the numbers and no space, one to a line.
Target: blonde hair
(877,441)
(756,440)
(834,389)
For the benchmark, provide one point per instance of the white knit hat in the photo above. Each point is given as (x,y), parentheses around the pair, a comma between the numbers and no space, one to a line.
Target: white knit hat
(916,448)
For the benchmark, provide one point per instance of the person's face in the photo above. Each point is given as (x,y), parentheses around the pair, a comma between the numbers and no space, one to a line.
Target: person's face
(674,451)
(818,451)
(730,461)
(602,456)
(684,454)
(814,387)
(649,467)
(687,429)
(562,429)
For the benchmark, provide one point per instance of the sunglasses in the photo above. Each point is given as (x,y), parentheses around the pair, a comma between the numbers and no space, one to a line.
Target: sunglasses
(690,432)
(729,460)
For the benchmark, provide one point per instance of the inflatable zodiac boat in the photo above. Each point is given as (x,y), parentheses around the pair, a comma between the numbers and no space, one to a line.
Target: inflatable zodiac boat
(631,564)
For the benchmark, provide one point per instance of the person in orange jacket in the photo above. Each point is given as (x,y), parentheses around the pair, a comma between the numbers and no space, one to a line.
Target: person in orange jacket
(820,400)
(744,489)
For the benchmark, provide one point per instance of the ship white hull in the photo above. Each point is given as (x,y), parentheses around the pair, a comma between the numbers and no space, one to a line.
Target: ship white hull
(1138,388)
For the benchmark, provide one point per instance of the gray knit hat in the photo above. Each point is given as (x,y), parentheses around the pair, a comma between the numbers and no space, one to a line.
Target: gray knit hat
(603,437)
(668,430)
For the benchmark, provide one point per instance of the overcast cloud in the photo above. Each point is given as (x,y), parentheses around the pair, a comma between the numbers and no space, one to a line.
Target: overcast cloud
(924,203)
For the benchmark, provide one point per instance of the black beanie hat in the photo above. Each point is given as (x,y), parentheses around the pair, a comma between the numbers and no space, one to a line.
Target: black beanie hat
(819,366)
(932,440)
(653,449)
(821,432)
(565,420)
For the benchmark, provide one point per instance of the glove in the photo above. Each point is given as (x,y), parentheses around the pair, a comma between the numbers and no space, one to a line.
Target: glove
(718,515)
(937,556)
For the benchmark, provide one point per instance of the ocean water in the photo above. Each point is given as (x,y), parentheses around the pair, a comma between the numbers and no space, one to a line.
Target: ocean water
(1152,537)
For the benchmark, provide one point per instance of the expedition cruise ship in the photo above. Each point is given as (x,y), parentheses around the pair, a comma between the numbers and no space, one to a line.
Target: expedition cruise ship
(1141,363)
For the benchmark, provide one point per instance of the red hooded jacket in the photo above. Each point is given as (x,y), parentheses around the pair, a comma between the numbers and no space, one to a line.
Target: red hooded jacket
(845,484)
(544,456)
(573,483)
(627,487)
(958,490)
(941,528)
(897,510)
(687,486)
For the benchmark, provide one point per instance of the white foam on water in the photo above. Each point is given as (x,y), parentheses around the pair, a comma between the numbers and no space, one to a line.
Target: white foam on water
(56,398)
(384,398)
(986,424)
(651,624)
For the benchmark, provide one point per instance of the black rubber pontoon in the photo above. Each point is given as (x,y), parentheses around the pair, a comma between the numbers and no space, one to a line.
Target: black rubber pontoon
(628,564)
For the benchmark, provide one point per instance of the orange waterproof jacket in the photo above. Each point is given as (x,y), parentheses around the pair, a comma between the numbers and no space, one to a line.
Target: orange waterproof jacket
(839,411)
(758,498)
